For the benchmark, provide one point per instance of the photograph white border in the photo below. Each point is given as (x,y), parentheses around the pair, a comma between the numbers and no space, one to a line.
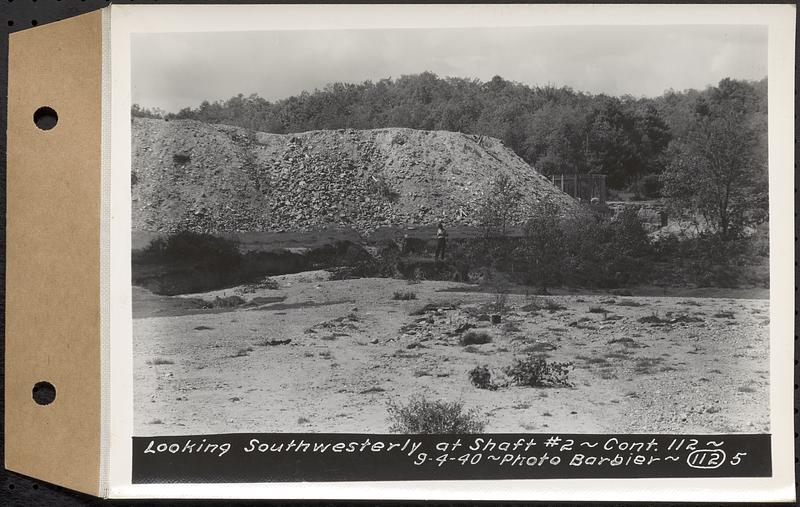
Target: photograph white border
(125,20)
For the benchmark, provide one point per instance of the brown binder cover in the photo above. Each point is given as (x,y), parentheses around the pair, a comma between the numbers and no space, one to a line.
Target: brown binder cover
(53,253)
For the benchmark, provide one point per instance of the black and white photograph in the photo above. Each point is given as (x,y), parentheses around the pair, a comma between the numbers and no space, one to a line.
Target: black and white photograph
(451,230)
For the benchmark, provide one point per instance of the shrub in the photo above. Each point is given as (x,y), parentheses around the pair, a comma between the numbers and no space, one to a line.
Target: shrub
(552,306)
(629,302)
(542,252)
(535,371)
(474,338)
(424,416)
(188,246)
(603,251)
(653,318)
(268,283)
(160,360)
(481,378)
(712,261)
(403,296)
(181,158)
(243,352)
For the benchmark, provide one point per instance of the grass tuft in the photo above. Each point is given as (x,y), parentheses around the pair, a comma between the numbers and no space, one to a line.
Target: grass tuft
(474,338)
(404,296)
(160,360)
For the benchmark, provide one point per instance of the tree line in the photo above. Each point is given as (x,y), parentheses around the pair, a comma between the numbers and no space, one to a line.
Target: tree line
(704,149)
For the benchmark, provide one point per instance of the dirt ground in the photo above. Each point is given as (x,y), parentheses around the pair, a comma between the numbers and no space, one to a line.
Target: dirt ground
(331,354)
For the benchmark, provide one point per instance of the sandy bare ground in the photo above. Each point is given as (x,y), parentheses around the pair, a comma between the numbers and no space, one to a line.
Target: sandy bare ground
(353,348)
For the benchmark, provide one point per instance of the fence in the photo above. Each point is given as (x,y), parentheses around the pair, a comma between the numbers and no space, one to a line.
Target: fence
(582,186)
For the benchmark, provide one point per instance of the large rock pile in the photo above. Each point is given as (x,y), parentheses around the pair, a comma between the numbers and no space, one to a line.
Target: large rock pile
(189,175)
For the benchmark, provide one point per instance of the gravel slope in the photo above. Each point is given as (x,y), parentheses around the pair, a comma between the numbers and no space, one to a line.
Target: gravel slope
(217,178)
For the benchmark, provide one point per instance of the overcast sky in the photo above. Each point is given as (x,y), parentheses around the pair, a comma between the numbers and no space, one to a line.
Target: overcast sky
(175,70)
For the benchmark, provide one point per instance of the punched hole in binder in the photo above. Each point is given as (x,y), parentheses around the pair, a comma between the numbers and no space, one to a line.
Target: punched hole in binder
(44,393)
(45,118)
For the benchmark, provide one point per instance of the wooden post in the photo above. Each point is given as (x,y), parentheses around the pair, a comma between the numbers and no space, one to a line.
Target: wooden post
(577,190)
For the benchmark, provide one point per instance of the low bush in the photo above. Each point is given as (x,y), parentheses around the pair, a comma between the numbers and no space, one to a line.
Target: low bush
(481,378)
(404,296)
(653,318)
(535,371)
(159,361)
(421,415)
(243,352)
(474,338)
(709,260)
(187,247)
(181,158)
(268,283)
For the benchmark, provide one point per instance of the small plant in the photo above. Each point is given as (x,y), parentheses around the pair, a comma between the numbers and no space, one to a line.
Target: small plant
(264,342)
(687,319)
(374,389)
(540,347)
(474,338)
(725,315)
(653,318)
(268,283)
(626,341)
(500,303)
(551,306)
(421,415)
(597,309)
(481,378)
(404,296)
(424,309)
(160,360)
(181,158)
(647,365)
(629,302)
(243,352)
(535,371)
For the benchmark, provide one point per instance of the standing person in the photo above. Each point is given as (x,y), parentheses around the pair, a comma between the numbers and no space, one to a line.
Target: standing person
(441,242)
